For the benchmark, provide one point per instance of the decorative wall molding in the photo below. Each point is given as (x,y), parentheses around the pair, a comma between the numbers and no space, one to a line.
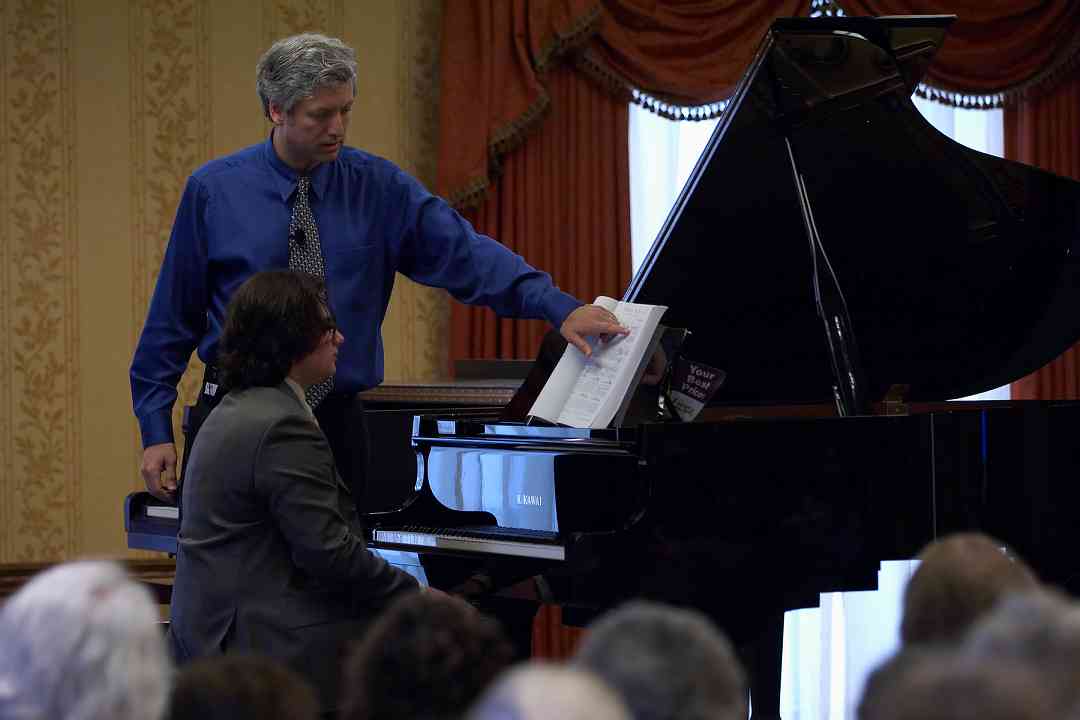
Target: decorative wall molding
(171,136)
(156,574)
(40,417)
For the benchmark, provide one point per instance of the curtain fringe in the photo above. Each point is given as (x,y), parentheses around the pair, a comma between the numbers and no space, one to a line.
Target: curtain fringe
(620,87)
(579,33)
(511,136)
(1039,84)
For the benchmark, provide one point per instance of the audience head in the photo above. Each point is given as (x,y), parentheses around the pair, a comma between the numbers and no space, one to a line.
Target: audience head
(537,691)
(238,687)
(81,641)
(923,683)
(666,663)
(429,655)
(959,579)
(1039,629)
(274,320)
(295,68)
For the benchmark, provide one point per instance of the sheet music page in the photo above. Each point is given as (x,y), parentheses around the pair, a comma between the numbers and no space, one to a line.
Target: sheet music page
(595,395)
(588,392)
(553,397)
(549,403)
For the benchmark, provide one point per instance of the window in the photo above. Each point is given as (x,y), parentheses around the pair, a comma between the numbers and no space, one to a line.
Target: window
(663,154)
(828,651)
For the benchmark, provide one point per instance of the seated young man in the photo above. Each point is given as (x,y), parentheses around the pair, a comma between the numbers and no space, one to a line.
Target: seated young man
(271,555)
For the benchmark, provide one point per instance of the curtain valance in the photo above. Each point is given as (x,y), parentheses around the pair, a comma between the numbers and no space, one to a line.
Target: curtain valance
(995,52)
(495,54)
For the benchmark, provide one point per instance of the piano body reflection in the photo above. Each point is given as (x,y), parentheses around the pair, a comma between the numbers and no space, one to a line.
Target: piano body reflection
(851,269)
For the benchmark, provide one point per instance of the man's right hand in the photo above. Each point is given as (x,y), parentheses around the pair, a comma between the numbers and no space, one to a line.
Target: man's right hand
(159,471)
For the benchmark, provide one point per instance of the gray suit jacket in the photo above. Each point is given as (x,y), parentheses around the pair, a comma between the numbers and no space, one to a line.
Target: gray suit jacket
(271,553)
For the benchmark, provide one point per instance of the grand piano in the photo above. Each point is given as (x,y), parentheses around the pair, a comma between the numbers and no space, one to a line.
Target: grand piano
(850,269)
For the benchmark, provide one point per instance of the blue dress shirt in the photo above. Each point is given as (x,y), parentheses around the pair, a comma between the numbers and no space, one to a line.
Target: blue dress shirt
(373,219)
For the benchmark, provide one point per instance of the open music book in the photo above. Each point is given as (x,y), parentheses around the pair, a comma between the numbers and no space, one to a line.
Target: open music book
(594,392)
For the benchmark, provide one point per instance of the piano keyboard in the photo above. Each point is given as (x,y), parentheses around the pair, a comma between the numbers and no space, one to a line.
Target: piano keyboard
(493,540)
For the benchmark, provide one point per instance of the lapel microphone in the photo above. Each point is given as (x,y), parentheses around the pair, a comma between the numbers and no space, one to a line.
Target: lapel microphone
(298,235)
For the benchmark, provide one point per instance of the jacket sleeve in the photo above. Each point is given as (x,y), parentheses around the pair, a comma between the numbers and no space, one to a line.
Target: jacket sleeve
(294,470)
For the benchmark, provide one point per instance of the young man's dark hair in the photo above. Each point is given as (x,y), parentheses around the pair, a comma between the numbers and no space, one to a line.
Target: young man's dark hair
(274,319)
(240,687)
(429,655)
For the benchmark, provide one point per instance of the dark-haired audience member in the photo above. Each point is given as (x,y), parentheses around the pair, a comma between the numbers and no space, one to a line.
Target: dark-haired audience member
(271,556)
(959,579)
(936,683)
(666,663)
(81,641)
(537,691)
(428,656)
(241,687)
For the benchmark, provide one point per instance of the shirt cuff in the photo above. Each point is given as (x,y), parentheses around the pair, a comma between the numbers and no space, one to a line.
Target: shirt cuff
(557,305)
(156,428)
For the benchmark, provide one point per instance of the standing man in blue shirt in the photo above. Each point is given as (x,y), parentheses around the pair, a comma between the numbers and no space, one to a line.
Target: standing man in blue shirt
(304,200)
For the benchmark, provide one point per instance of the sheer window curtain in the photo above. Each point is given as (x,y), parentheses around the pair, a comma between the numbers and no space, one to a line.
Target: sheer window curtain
(828,650)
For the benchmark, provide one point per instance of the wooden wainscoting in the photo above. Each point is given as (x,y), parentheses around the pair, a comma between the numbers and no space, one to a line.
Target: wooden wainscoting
(156,575)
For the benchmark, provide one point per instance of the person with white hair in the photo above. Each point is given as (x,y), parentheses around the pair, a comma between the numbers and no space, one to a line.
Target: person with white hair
(542,690)
(666,663)
(81,641)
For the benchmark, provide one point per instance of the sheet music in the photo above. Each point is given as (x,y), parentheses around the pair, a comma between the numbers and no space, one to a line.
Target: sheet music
(601,371)
(589,392)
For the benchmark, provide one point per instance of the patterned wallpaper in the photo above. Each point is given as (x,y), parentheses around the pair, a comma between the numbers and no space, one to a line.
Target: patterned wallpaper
(39,383)
(425,320)
(170,66)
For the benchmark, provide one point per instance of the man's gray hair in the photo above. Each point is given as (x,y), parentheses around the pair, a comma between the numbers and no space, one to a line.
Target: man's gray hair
(296,67)
(81,641)
(666,663)
(538,690)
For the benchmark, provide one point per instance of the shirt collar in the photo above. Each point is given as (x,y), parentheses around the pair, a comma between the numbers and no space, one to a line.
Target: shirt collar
(299,392)
(285,177)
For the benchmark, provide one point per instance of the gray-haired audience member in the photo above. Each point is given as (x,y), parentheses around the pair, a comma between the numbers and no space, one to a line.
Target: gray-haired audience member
(924,683)
(666,663)
(80,641)
(241,687)
(960,578)
(1039,630)
(537,691)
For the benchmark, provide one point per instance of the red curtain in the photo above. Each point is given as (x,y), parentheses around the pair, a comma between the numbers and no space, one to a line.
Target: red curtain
(561,200)
(994,47)
(1045,131)
(685,53)
(562,203)
(495,55)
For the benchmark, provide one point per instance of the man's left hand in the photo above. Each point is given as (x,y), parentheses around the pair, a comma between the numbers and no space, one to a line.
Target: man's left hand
(590,321)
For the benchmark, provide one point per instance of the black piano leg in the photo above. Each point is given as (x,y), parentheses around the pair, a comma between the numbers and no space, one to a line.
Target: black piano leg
(761,656)
(516,617)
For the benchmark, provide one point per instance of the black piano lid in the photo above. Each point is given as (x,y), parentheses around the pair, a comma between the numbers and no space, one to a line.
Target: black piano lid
(959,269)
